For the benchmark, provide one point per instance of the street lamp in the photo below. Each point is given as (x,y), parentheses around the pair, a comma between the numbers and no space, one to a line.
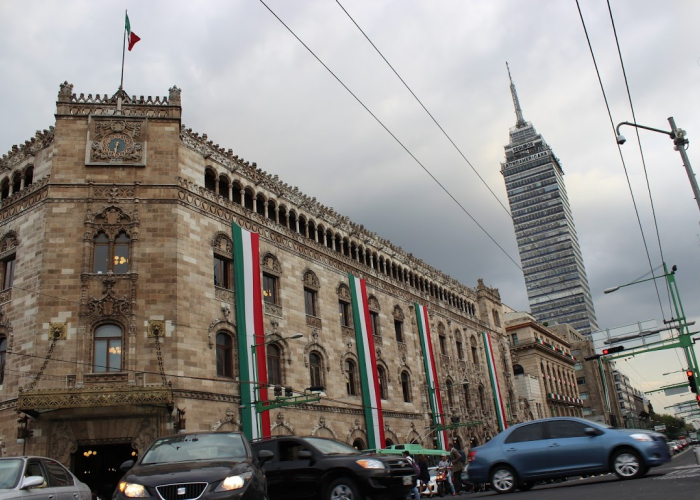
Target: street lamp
(678,136)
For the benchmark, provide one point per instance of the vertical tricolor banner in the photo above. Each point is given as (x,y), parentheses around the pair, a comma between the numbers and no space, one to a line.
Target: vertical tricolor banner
(431,372)
(495,387)
(251,336)
(364,336)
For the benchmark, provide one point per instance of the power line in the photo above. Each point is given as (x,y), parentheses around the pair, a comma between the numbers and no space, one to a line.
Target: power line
(394,137)
(612,125)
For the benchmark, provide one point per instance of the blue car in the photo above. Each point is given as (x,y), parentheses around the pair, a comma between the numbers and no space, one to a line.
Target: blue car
(561,447)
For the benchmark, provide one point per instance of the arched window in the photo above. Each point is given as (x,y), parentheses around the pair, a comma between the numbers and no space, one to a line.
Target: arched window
(406,386)
(224,187)
(315,368)
(5,189)
(224,355)
(383,383)
(518,370)
(111,255)
(274,364)
(28,176)
(481,397)
(467,399)
(450,394)
(351,377)
(16,182)
(359,444)
(475,351)
(3,358)
(210,180)
(108,349)
(249,199)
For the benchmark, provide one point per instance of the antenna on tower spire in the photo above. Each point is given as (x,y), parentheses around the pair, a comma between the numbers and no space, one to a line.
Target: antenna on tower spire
(518,112)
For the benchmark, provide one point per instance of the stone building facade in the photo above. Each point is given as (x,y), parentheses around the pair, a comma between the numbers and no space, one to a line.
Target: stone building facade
(594,378)
(117,315)
(542,359)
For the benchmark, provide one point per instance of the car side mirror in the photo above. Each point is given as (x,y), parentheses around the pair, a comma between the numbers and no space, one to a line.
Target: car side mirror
(264,456)
(304,454)
(590,431)
(126,465)
(31,482)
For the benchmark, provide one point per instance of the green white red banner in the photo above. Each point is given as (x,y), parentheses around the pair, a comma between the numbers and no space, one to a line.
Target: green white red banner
(495,387)
(364,337)
(431,373)
(251,336)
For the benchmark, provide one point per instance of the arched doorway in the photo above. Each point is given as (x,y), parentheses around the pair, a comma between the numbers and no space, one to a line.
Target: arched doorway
(359,444)
(98,466)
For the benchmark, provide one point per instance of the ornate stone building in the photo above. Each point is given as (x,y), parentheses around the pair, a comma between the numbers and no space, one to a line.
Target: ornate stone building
(544,369)
(117,315)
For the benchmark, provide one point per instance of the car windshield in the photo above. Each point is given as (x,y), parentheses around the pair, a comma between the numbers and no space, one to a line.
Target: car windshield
(9,473)
(330,447)
(189,447)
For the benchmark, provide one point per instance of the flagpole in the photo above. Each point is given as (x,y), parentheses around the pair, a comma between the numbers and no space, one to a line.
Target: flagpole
(121,83)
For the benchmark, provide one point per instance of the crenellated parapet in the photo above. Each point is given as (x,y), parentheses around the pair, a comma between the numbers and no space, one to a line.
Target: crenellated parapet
(29,149)
(70,103)
(252,175)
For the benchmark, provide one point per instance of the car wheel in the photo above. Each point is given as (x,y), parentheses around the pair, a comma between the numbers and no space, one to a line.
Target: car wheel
(503,479)
(526,486)
(628,464)
(343,488)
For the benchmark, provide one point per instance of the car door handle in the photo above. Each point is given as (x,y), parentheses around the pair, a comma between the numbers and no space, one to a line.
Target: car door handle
(510,449)
(554,445)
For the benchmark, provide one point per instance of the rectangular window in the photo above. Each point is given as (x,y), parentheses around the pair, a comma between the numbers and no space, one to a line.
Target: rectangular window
(514,339)
(581,380)
(374,318)
(578,366)
(8,272)
(344,313)
(584,396)
(460,352)
(443,345)
(222,272)
(269,286)
(310,302)
(398,328)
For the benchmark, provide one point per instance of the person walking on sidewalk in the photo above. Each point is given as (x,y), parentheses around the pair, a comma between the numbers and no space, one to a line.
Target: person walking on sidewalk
(457,467)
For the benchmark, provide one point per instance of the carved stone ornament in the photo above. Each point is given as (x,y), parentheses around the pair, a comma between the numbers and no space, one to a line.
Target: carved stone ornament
(58,331)
(109,304)
(117,141)
(156,329)
(63,442)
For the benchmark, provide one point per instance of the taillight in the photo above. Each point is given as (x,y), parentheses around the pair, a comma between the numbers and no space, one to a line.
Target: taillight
(471,456)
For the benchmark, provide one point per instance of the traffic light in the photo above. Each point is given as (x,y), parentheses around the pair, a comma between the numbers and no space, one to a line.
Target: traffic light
(591,358)
(611,350)
(691,381)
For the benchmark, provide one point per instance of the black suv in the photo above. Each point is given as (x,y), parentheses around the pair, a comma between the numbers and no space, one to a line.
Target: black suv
(204,465)
(326,469)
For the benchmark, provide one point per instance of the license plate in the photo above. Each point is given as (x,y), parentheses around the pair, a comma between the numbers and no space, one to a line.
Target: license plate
(407,480)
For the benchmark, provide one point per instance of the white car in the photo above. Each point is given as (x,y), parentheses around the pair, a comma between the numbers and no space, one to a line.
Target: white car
(673,447)
(39,478)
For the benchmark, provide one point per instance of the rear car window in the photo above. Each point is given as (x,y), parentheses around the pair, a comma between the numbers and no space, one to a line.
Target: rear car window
(532,432)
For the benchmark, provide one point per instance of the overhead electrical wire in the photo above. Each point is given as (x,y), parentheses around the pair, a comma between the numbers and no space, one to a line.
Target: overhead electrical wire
(393,136)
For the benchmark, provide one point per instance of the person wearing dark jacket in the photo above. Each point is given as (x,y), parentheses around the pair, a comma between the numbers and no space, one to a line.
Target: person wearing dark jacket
(424,475)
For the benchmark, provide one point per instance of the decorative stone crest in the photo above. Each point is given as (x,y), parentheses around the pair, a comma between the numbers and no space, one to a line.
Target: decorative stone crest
(109,304)
(58,331)
(156,328)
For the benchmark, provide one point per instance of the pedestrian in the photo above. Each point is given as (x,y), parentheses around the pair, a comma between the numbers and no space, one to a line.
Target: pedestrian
(424,475)
(457,467)
(414,494)
(446,465)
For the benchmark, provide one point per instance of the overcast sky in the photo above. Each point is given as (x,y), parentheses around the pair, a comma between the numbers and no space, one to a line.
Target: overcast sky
(253,87)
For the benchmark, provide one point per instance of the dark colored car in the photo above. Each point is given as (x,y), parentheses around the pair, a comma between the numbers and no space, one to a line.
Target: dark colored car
(561,447)
(326,469)
(205,465)
(39,478)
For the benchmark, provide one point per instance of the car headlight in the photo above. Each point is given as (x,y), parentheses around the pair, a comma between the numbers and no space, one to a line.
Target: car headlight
(133,490)
(235,482)
(641,437)
(370,463)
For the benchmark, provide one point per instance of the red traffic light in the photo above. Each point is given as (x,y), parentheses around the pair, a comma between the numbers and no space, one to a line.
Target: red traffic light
(689,373)
(611,350)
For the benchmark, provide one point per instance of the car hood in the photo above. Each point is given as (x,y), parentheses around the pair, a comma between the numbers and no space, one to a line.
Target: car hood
(184,472)
(655,435)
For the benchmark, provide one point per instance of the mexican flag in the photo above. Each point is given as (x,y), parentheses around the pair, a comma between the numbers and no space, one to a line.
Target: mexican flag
(431,373)
(252,357)
(132,37)
(364,337)
(495,386)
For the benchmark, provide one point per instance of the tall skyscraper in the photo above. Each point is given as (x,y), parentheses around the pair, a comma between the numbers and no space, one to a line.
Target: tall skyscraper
(557,286)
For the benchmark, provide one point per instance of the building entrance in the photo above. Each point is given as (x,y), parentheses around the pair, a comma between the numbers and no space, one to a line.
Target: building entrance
(98,466)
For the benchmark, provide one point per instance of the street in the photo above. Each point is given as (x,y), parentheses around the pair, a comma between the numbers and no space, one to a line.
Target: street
(678,479)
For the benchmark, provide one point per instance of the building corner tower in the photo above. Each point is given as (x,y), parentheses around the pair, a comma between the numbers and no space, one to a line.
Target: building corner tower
(550,256)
